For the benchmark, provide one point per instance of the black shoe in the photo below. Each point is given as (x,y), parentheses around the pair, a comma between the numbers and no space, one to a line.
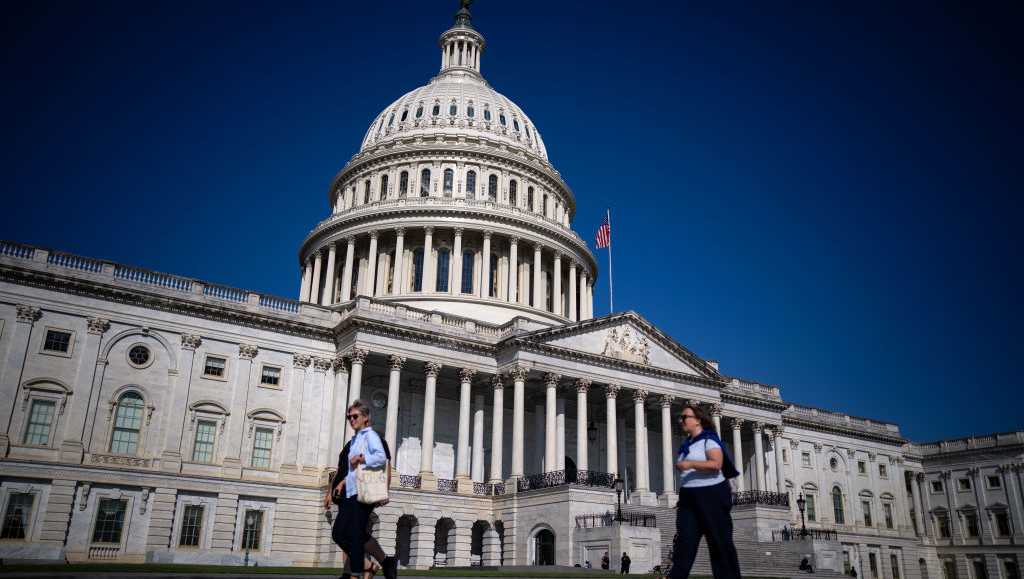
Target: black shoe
(390,567)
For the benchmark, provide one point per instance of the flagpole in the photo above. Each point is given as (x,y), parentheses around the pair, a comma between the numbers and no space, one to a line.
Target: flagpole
(611,292)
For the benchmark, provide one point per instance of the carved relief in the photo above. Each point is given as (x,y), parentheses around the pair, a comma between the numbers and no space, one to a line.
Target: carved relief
(626,345)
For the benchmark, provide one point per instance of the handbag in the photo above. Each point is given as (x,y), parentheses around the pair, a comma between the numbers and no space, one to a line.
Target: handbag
(372,484)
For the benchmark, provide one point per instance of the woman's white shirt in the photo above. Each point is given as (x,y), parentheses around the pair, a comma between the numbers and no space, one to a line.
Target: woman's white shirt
(693,478)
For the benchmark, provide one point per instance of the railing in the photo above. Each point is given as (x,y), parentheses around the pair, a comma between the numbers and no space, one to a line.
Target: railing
(448,485)
(152,278)
(281,304)
(18,250)
(225,293)
(104,552)
(793,534)
(75,262)
(409,481)
(557,478)
(767,498)
(488,489)
(631,518)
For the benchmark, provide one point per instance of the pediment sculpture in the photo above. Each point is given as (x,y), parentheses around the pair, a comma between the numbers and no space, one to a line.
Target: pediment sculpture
(625,344)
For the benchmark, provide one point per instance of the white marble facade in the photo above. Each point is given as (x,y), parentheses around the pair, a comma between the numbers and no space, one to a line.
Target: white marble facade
(151,417)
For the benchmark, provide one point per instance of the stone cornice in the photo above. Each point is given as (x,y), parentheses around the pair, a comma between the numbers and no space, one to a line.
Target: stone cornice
(753,401)
(385,329)
(799,422)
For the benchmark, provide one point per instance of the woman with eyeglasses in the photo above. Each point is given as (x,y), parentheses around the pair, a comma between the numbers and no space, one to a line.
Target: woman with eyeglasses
(350,526)
(705,499)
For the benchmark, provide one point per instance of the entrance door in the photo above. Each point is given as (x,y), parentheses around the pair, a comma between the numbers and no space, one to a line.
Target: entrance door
(544,548)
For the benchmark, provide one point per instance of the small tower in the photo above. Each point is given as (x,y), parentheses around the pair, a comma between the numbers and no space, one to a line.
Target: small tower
(461,45)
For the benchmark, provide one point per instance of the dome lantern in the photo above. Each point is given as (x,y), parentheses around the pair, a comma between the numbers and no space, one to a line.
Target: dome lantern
(461,45)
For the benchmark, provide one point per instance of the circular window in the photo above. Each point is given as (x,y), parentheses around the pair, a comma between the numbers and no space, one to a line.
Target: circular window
(834,463)
(139,356)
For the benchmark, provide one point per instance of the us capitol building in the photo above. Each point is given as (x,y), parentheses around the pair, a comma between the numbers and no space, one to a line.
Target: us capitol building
(148,417)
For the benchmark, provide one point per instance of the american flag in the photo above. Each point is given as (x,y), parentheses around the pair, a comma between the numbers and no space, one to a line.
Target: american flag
(604,234)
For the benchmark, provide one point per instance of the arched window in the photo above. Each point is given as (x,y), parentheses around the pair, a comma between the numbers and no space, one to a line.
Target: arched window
(403,184)
(391,120)
(436,110)
(419,111)
(545,206)
(425,183)
(453,109)
(529,198)
(501,119)
(513,188)
(383,187)
(487,113)
(449,178)
(492,187)
(405,115)
(837,506)
(127,424)
(366,192)
(494,275)
(417,270)
(443,262)
(467,272)
(515,124)
(810,493)
(471,184)
(470,112)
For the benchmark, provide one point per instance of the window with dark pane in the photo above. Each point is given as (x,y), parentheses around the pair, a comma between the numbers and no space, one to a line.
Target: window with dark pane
(501,119)
(492,187)
(471,184)
(127,424)
(436,110)
(57,341)
(109,520)
(366,192)
(191,526)
(513,190)
(443,263)
(449,180)
(403,184)
(215,366)
(467,272)
(139,355)
(425,183)
(383,187)
(253,530)
(405,115)
(453,109)
(17,516)
(529,198)
(419,111)
(206,435)
(40,421)
(837,506)
(470,112)
(270,376)
(417,269)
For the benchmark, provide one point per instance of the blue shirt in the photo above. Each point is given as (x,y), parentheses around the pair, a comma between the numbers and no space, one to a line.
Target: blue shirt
(367,443)
(692,478)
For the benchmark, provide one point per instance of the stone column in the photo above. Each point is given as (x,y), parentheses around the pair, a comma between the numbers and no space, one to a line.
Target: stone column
(429,265)
(307,280)
(613,438)
(239,402)
(582,290)
(513,268)
(485,267)
(572,291)
(1010,474)
(456,287)
(518,375)
(780,477)
(355,382)
(171,456)
(556,280)
(314,296)
(590,299)
(716,417)
(918,507)
(394,388)
(477,468)
(346,273)
(668,462)
(538,277)
(560,434)
(582,388)
(370,283)
(497,428)
(71,447)
(640,420)
(311,426)
(14,366)
(463,464)
(398,283)
(290,456)
(550,444)
(737,450)
(328,297)
(432,369)
(759,455)
(339,403)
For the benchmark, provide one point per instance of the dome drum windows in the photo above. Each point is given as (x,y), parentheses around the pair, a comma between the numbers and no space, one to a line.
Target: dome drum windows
(513,189)
(383,187)
(405,115)
(470,111)
(449,178)
(529,198)
(436,110)
(471,184)
(128,414)
(492,187)
(502,119)
(403,184)
(425,183)
(453,109)
(366,192)
(419,111)
(487,113)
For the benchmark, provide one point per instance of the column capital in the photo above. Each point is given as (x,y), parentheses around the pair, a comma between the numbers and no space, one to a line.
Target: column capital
(374,234)
(429,230)
(794,443)
(583,385)
(757,427)
(572,264)
(612,390)
(432,369)
(400,231)
(559,254)
(716,409)
(321,364)
(98,325)
(817,447)
(466,374)
(552,379)
(340,364)
(919,477)
(639,395)
(28,314)
(497,383)
(350,239)
(358,355)
(190,341)
(538,247)
(518,373)
(395,362)
(778,430)
(487,235)
(513,240)
(737,423)
(247,351)
(458,231)
(665,400)
(301,360)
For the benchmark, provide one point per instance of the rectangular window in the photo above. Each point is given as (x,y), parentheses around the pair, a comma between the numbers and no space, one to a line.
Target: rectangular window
(862,467)
(895,562)
(214,366)
(252,530)
(994,482)
(785,456)
(944,530)
(805,459)
(57,341)
(1010,569)
(980,570)
(971,521)
(866,507)
(191,526)
(17,516)
(887,511)
(40,420)
(1002,524)
(964,484)
(883,471)
(206,434)
(948,568)
(263,443)
(109,521)
(270,376)
(936,486)
(812,514)
(873,563)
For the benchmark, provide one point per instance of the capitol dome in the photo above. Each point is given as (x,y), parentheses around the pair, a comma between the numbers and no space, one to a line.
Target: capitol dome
(452,205)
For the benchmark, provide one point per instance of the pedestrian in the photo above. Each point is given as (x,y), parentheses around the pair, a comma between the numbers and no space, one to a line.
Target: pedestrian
(705,499)
(853,572)
(624,564)
(605,562)
(350,526)
(805,566)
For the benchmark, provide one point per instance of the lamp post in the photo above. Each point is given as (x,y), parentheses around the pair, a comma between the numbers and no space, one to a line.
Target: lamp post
(801,503)
(620,485)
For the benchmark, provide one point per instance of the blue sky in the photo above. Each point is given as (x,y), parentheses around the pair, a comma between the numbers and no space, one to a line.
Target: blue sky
(823,196)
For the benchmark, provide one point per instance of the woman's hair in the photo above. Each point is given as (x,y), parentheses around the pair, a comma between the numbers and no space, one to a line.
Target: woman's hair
(702,415)
(361,407)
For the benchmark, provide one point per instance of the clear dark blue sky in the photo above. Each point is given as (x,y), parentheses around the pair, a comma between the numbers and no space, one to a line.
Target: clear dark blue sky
(821,195)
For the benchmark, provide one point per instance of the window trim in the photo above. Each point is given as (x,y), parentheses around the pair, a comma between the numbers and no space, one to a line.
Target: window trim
(44,389)
(39,494)
(227,367)
(206,411)
(115,496)
(263,418)
(989,478)
(71,342)
(180,527)
(147,417)
(280,377)
(961,488)
(933,490)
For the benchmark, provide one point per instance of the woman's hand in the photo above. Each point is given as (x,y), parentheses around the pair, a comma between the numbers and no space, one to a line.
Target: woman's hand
(327,502)
(684,465)
(356,460)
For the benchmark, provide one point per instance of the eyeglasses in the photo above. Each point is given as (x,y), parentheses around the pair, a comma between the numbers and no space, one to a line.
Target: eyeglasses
(353,416)
(682,418)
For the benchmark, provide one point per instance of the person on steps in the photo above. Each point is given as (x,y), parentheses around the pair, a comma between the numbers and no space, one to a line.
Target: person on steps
(624,563)
(805,566)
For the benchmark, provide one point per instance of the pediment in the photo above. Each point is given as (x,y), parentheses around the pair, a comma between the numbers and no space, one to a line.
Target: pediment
(627,337)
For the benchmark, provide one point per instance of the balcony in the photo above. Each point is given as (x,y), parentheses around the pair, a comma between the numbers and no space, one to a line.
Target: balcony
(763,498)
(587,478)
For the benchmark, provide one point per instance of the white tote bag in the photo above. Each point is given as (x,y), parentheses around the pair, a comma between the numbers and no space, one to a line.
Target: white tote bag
(372,484)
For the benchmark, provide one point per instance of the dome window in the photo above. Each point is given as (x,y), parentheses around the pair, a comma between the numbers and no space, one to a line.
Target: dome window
(366,192)
(487,113)
(449,177)
(419,112)
(417,270)
(467,271)
(529,198)
(492,187)
(453,109)
(513,189)
(471,184)
(469,111)
(403,184)
(501,119)
(405,115)
(383,187)
(436,110)
(515,124)
(391,120)
(444,258)
(425,183)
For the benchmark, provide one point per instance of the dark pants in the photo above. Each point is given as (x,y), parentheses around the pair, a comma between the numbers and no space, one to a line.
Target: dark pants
(349,531)
(704,512)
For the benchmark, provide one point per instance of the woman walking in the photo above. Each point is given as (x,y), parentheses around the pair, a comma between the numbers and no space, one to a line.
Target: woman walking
(705,499)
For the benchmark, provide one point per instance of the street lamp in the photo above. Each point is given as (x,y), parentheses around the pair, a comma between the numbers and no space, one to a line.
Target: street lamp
(801,503)
(620,485)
